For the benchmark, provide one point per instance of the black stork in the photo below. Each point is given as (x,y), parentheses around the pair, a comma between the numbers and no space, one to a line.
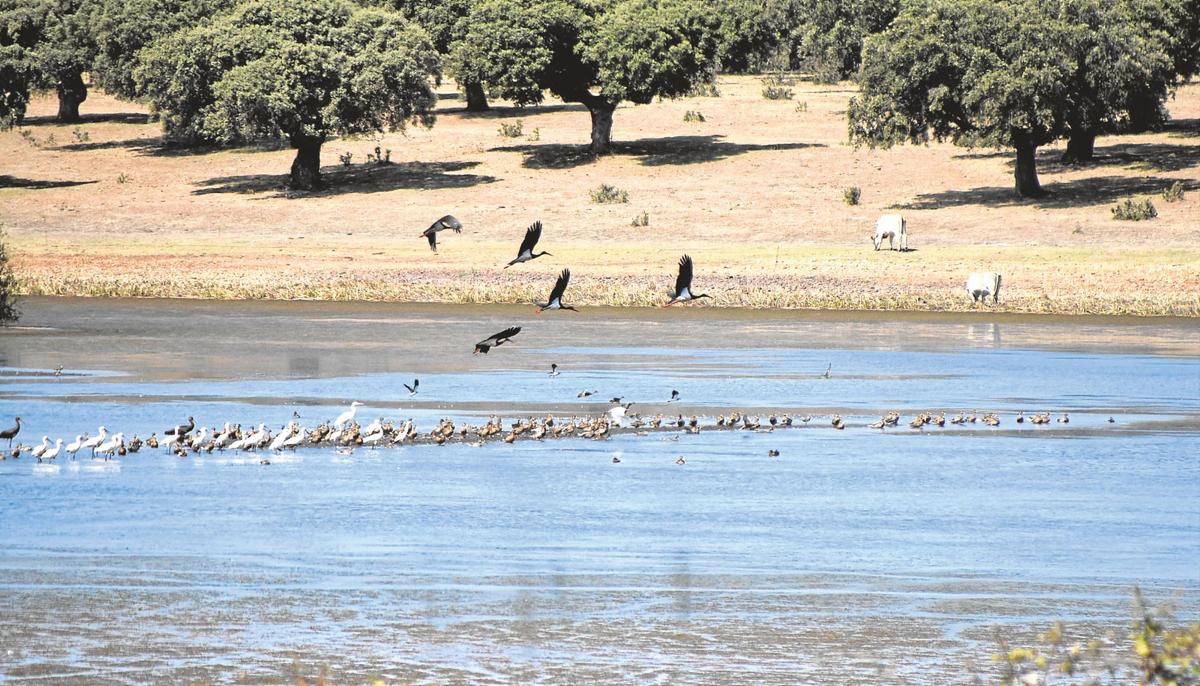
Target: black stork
(526,253)
(674,396)
(683,284)
(496,340)
(555,302)
(412,390)
(182,429)
(10,434)
(447,222)
(554,369)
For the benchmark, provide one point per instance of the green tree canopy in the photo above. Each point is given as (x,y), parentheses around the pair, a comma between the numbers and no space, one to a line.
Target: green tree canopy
(827,35)
(122,28)
(446,22)
(598,53)
(301,70)
(1017,73)
(8,285)
(46,44)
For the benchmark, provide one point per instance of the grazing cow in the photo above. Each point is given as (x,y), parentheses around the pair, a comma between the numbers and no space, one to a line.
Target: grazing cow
(891,227)
(982,284)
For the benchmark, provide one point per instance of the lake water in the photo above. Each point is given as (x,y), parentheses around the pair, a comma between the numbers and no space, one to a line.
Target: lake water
(856,556)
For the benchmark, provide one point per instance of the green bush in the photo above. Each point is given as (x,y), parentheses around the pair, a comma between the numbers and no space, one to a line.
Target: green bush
(346,158)
(8,285)
(513,130)
(777,93)
(1131,210)
(693,116)
(608,195)
(851,195)
(642,219)
(1174,192)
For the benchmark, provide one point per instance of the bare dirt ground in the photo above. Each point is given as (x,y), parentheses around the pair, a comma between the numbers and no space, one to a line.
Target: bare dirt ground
(754,194)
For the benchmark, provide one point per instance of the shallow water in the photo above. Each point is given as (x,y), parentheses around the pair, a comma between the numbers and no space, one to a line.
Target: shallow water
(856,556)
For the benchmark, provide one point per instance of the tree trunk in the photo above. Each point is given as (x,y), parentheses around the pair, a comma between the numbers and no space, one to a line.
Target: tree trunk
(1080,146)
(306,168)
(476,97)
(1026,171)
(71,92)
(602,119)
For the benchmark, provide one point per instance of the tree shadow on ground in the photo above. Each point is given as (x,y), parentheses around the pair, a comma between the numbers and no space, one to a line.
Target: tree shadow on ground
(512,112)
(652,152)
(359,178)
(38,184)
(1183,128)
(1160,157)
(99,118)
(1080,193)
(156,147)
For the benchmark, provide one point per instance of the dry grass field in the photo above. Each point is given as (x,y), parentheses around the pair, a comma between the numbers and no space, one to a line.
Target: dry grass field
(754,194)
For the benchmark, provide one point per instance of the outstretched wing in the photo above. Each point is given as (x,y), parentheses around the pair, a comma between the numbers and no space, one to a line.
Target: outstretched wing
(532,235)
(560,286)
(506,334)
(432,236)
(447,222)
(684,280)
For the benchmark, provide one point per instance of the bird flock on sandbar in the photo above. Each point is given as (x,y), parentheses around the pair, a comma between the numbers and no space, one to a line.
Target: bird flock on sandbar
(345,433)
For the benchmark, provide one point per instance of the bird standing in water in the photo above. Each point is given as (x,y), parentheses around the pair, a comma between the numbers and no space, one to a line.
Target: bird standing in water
(11,433)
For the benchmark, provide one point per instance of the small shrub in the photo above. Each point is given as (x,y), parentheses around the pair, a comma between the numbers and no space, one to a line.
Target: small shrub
(1131,210)
(608,195)
(30,138)
(122,178)
(777,93)
(535,136)
(80,135)
(691,116)
(380,156)
(8,286)
(51,141)
(346,158)
(852,195)
(642,219)
(802,106)
(513,130)
(1174,192)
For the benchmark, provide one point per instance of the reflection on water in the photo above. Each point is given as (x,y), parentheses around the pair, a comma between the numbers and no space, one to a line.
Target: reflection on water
(853,557)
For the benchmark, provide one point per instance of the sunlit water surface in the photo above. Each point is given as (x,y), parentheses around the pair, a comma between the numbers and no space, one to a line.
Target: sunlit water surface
(857,556)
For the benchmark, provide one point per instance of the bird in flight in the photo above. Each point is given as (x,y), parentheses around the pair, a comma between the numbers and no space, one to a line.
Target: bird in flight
(495,340)
(585,393)
(554,369)
(555,302)
(446,222)
(526,253)
(683,284)
(674,396)
(412,390)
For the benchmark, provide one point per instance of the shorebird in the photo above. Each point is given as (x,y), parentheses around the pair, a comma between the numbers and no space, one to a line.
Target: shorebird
(51,453)
(555,301)
(181,429)
(674,396)
(446,222)
(296,439)
(526,253)
(284,435)
(58,370)
(10,434)
(585,393)
(96,440)
(554,370)
(683,284)
(496,340)
(617,413)
(347,415)
(74,447)
(109,447)
(412,390)
(37,451)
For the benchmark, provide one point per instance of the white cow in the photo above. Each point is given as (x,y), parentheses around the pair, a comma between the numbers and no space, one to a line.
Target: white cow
(982,284)
(891,227)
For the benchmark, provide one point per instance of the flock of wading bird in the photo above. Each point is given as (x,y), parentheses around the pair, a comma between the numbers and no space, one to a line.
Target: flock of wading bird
(345,433)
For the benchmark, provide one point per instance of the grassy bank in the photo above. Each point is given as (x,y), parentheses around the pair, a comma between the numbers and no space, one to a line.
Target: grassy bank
(754,193)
